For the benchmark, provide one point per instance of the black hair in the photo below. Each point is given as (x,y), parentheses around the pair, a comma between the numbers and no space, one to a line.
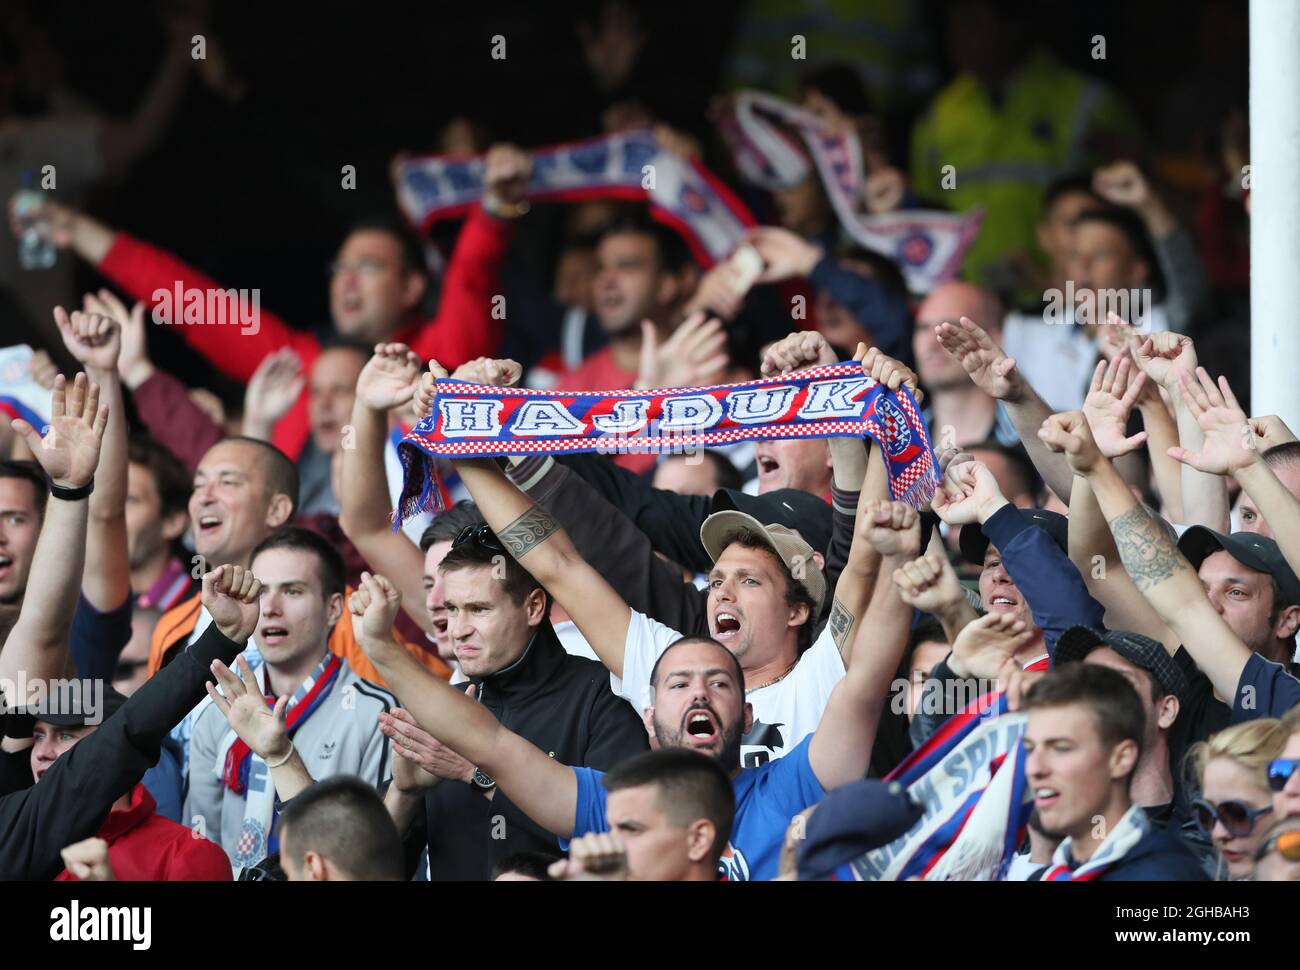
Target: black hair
(841,84)
(170,479)
(671,250)
(689,785)
(281,472)
(28,471)
(534,865)
(928,629)
(1018,458)
(412,249)
(517,581)
(343,819)
(1132,228)
(883,269)
(1287,453)
(654,671)
(329,562)
(1116,706)
(1074,182)
(447,525)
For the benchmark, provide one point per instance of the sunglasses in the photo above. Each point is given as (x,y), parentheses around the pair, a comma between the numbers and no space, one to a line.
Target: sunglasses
(478,535)
(1237,817)
(1280,771)
(1286,844)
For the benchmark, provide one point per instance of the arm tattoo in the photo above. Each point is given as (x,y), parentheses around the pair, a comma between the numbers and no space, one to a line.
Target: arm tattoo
(528,531)
(841,624)
(1145,549)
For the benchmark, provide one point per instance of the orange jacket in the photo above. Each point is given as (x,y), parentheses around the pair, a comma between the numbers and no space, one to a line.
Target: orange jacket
(176,625)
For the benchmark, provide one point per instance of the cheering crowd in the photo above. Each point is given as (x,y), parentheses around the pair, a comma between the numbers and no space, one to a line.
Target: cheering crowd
(1033,619)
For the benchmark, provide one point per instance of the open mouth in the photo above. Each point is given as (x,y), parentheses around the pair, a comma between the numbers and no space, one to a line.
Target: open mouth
(6,562)
(1004,602)
(767,465)
(273,635)
(725,625)
(1045,797)
(207,523)
(701,728)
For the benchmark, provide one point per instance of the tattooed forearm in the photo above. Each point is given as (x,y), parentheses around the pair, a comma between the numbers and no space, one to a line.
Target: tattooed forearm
(1146,550)
(528,531)
(840,623)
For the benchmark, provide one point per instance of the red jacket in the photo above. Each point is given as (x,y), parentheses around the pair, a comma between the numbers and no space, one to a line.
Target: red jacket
(463,329)
(142,845)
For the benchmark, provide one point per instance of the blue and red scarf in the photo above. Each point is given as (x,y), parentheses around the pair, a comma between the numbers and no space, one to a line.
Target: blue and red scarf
(681,192)
(1131,829)
(836,400)
(969,777)
(304,702)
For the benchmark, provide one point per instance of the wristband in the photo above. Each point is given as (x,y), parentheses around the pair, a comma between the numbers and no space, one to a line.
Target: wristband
(283,760)
(72,494)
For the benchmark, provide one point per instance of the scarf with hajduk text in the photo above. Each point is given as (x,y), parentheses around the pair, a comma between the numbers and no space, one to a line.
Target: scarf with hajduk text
(633,165)
(928,245)
(836,400)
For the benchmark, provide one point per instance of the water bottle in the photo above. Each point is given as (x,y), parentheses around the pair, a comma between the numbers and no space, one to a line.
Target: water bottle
(35,251)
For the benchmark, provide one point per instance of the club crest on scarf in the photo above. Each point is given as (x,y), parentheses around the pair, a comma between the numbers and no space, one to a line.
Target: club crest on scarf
(837,400)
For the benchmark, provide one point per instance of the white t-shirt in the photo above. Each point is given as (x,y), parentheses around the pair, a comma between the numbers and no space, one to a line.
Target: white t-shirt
(784,713)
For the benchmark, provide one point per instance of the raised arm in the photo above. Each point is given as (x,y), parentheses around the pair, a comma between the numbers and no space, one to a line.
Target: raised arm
(388,381)
(996,375)
(545,790)
(840,750)
(94,340)
(1152,559)
(1164,357)
(1232,446)
(38,643)
(1106,408)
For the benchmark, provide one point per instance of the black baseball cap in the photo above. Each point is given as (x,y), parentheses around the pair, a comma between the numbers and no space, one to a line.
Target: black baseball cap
(851,821)
(974,543)
(79,708)
(1253,551)
(1079,641)
(793,508)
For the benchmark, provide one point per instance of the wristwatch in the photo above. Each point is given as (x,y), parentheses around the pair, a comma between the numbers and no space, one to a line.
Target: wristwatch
(481,781)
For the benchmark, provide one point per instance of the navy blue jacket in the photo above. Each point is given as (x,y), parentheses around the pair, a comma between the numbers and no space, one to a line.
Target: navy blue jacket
(1050,584)
(1159,857)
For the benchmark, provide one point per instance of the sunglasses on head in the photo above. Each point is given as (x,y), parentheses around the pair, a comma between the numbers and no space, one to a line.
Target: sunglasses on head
(1237,817)
(1286,844)
(1280,771)
(479,535)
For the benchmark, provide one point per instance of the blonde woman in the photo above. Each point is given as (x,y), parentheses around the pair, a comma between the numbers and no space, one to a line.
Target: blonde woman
(1233,770)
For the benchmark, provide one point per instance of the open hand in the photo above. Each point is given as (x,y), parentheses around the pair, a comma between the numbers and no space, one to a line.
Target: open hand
(1108,404)
(260,727)
(987,364)
(69,452)
(694,355)
(984,645)
(1230,441)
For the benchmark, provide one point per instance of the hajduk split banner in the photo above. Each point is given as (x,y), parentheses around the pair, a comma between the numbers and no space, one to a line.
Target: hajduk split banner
(970,779)
(927,245)
(837,400)
(632,165)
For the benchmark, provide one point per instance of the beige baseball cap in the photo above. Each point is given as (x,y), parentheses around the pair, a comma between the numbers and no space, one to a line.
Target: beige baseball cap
(719,528)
